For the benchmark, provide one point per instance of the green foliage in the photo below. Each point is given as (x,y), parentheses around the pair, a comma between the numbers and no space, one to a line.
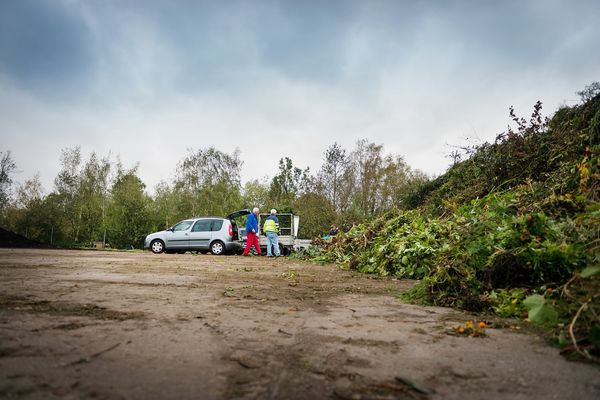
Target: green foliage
(590,271)
(207,183)
(317,214)
(311,252)
(92,194)
(540,311)
(128,212)
(590,91)
(350,187)
(508,303)
(30,203)
(489,243)
(256,194)
(408,248)
(290,182)
(517,217)
(331,175)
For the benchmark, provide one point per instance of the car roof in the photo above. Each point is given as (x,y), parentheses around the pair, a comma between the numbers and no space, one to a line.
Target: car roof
(199,218)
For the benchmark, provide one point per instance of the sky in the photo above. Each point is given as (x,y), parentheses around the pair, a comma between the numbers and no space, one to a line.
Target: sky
(147,80)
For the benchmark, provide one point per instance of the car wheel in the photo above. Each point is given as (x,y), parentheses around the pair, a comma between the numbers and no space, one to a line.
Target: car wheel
(157,246)
(217,248)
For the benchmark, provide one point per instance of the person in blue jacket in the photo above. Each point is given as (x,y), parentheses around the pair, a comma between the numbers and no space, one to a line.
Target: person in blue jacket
(252,232)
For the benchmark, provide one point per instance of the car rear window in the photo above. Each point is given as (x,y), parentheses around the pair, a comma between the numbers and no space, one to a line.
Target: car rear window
(202,225)
(217,225)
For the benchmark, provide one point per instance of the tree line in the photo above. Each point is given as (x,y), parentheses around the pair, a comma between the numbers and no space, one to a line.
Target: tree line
(98,199)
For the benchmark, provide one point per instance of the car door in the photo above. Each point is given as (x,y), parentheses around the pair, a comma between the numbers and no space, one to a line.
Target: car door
(178,236)
(217,225)
(200,234)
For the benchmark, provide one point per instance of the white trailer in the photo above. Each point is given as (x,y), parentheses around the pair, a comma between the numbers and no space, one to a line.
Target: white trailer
(288,231)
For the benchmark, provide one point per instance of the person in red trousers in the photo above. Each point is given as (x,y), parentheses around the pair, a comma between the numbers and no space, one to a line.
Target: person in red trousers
(252,232)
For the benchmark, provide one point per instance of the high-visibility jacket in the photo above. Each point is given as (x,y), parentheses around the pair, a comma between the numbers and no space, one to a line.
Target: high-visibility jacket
(271,224)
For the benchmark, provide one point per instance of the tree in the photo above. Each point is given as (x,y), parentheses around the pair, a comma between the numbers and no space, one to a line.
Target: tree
(395,175)
(289,183)
(30,213)
(317,214)
(164,209)
(53,221)
(208,182)
(67,187)
(128,211)
(255,194)
(7,167)
(219,199)
(30,192)
(92,193)
(367,160)
(205,167)
(331,174)
(368,182)
(83,191)
(589,92)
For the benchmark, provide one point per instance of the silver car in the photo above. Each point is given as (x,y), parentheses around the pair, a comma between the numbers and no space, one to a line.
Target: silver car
(217,235)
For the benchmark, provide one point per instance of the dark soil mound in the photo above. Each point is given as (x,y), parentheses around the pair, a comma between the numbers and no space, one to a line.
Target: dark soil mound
(11,239)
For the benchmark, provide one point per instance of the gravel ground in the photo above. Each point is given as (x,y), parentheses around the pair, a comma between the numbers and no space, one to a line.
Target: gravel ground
(116,325)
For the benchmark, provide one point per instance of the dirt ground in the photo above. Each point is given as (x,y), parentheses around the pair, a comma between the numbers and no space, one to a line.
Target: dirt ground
(111,325)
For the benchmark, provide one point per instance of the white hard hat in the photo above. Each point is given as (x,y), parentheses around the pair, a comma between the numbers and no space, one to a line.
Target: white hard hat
(273,211)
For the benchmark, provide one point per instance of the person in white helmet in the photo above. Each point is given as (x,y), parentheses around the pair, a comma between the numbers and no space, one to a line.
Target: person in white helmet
(271,229)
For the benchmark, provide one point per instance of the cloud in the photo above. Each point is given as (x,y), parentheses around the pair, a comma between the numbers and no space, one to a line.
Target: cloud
(279,78)
(39,49)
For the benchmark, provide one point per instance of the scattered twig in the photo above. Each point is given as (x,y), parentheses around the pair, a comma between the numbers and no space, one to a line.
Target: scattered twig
(413,385)
(90,357)
(565,288)
(284,332)
(572,334)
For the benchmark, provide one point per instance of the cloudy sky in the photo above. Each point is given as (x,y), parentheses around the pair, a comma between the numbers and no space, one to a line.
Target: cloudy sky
(149,79)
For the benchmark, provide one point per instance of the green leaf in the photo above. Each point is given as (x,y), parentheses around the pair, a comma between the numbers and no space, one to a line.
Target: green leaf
(540,312)
(535,300)
(590,271)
